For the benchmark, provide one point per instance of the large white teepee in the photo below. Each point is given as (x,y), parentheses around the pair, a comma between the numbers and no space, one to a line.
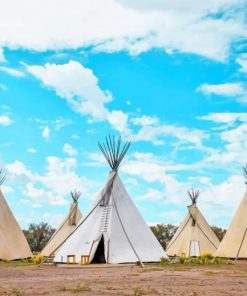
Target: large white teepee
(113,231)
(194,236)
(66,227)
(13,244)
(234,243)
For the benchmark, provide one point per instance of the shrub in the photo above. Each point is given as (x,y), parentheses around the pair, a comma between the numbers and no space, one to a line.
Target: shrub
(182,260)
(164,260)
(37,259)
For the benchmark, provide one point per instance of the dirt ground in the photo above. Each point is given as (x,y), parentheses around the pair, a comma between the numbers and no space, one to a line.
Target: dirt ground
(184,280)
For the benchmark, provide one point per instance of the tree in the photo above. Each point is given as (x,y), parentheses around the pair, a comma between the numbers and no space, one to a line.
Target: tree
(164,233)
(219,232)
(38,235)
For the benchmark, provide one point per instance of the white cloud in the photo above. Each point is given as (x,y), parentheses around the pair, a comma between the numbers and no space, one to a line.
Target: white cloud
(5,120)
(6,189)
(68,149)
(207,28)
(242,61)
(18,171)
(2,57)
(228,118)
(156,134)
(75,137)
(12,72)
(77,84)
(32,150)
(46,133)
(51,187)
(152,195)
(225,89)
(145,120)
(119,121)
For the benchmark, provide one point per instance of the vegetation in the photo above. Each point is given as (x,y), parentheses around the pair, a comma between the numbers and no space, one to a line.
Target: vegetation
(204,259)
(37,259)
(164,233)
(75,289)
(219,232)
(38,235)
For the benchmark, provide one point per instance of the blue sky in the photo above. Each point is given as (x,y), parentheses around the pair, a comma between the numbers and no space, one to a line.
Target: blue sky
(170,77)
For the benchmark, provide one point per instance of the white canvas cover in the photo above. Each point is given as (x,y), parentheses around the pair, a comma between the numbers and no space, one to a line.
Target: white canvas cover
(234,243)
(63,231)
(187,233)
(13,244)
(127,237)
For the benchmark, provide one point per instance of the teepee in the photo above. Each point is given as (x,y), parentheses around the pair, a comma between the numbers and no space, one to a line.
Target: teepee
(234,243)
(113,231)
(194,236)
(66,227)
(13,244)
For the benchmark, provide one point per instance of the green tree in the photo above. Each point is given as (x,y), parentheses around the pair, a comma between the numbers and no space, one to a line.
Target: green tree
(38,235)
(164,233)
(219,232)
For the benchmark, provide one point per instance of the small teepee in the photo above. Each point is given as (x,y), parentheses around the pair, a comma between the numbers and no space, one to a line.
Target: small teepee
(13,244)
(194,236)
(113,231)
(66,227)
(234,243)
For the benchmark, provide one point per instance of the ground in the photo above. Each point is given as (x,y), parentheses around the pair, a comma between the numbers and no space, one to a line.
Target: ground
(184,280)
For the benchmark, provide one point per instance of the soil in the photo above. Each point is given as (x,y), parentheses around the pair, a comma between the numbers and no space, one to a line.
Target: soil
(184,280)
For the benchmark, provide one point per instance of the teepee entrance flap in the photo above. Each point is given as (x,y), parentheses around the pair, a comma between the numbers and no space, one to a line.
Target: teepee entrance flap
(194,248)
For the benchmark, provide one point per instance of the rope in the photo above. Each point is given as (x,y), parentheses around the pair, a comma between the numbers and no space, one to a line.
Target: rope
(178,234)
(198,227)
(137,256)
(241,244)
(107,188)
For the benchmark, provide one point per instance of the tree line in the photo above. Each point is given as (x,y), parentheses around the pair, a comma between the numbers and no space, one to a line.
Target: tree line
(39,234)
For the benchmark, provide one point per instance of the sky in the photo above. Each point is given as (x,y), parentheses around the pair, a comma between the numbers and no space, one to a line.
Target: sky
(169,76)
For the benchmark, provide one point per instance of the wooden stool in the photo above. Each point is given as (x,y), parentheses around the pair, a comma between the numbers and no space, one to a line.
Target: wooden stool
(69,257)
(84,259)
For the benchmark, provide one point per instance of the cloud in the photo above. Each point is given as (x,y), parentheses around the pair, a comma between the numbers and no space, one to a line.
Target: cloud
(53,186)
(32,150)
(77,85)
(156,134)
(225,117)
(242,61)
(206,28)
(68,149)
(2,57)
(145,120)
(5,120)
(12,72)
(46,133)
(119,121)
(225,89)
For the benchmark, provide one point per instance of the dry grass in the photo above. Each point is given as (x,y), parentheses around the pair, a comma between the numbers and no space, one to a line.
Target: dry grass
(75,289)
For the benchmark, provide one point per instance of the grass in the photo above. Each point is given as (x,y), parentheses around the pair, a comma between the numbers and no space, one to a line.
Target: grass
(75,289)
(137,291)
(12,292)
(18,263)
(203,260)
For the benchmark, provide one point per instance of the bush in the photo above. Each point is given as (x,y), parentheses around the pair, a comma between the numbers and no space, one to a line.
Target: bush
(207,256)
(182,260)
(164,260)
(37,259)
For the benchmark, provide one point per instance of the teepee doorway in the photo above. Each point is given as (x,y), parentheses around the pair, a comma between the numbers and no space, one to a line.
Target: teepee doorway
(99,256)
(194,248)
